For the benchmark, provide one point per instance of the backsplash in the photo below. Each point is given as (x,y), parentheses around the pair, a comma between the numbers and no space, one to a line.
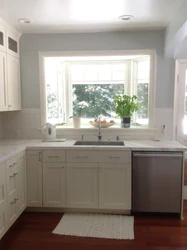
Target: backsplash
(26,124)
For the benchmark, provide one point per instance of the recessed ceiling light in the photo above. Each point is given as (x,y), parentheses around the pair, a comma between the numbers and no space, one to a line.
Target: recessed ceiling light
(126,17)
(24,20)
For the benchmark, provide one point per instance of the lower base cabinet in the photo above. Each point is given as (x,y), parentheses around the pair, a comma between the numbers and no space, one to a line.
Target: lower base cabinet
(3,210)
(34,178)
(12,190)
(22,192)
(114,186)
(82,185)
(53,185)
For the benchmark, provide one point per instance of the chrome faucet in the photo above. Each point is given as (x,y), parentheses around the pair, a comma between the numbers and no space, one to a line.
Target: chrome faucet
(99,127)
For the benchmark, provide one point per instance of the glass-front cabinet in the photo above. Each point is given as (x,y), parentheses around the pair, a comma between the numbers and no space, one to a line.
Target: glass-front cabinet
(12,44)
(2,39)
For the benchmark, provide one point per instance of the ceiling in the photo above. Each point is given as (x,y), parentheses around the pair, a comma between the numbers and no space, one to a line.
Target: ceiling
(65,16)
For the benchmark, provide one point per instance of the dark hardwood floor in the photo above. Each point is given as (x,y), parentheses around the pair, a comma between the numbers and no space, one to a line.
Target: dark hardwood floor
(32,231)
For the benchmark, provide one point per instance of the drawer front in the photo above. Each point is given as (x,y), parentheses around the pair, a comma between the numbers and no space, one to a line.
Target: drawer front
(11,166)
(53,156)
(81,156)
(114,156)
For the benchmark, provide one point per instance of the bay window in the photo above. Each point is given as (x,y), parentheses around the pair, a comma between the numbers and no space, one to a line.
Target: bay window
(95,81)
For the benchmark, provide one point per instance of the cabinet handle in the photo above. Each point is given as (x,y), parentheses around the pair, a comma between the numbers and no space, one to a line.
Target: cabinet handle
(14,174)
(55,156)
(16,199)
(40,156)
(10,166)
(63,167)
(82,157)
(114,157)
(15,163)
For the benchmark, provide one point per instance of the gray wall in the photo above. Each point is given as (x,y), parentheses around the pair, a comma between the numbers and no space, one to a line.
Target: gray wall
(31,44)
(176,30)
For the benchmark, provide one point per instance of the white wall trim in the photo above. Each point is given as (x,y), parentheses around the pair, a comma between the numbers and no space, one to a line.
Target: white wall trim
(152,53)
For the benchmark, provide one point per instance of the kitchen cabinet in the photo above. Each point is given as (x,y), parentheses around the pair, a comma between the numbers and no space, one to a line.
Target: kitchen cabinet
(2,38)
(12,189)
(22,195)
(3,82)
(114,186)
(12,43)
(54,184)
(13,80)
(34,178)
(3,198)
(82,185)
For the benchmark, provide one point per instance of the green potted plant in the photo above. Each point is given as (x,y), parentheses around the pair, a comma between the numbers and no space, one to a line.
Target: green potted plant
(125,107)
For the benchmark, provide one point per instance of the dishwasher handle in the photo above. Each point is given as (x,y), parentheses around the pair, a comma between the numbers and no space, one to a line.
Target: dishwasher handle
(157,155)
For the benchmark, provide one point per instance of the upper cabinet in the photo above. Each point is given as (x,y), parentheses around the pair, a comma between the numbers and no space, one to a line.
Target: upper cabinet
(14,92)
(3,82)
(10,89)
(2,38)
(12,43)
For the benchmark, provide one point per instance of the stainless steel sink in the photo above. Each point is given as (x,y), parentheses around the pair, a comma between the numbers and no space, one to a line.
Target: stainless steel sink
(99,143)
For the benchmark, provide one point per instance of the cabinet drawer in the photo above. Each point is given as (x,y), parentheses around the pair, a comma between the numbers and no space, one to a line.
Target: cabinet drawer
(114,156)
(11,167)
(81,156)
(53,156)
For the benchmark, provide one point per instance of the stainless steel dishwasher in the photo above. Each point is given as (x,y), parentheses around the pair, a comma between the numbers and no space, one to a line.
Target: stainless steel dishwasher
(157,182)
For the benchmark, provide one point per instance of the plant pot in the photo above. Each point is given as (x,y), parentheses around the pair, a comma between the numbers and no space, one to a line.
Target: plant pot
(76,122)
(125,122)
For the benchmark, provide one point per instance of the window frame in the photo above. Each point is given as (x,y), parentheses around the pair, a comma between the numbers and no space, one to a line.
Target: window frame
(152,80)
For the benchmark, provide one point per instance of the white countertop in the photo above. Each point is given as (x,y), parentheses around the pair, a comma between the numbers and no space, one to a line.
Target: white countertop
(9,148)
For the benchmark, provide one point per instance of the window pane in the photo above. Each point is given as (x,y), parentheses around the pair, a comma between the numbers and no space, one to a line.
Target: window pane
(118,72)
(142,94)
(77,72)
(99,98)
(90,72)
(51,77)
(105,73)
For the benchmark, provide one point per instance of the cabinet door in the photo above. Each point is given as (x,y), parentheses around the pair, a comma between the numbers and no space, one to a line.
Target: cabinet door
(22,202)
(12,187)
(14,90)
(115,186)
(3,82)
(54,185)
(34,178)
(12,44)
(2,38)
(82,185)
(3,217)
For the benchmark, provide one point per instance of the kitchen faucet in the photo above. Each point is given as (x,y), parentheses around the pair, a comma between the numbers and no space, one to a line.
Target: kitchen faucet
(99,127)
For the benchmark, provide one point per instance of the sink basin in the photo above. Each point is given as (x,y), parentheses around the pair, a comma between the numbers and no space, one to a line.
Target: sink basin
(99,143)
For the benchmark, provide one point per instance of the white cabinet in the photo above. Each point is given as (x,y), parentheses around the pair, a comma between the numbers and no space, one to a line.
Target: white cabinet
(12,189)
(13,80)
(3,82)
(54,184)
(34,178)
(12,43)
(114,186)
(3,210)
(82,185)
(2,38)
(22,202)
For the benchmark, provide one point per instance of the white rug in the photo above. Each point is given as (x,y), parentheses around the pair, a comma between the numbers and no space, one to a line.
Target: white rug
(97,226)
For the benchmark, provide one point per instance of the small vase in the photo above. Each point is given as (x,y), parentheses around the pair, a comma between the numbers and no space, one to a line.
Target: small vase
(125,122)
(76,122)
